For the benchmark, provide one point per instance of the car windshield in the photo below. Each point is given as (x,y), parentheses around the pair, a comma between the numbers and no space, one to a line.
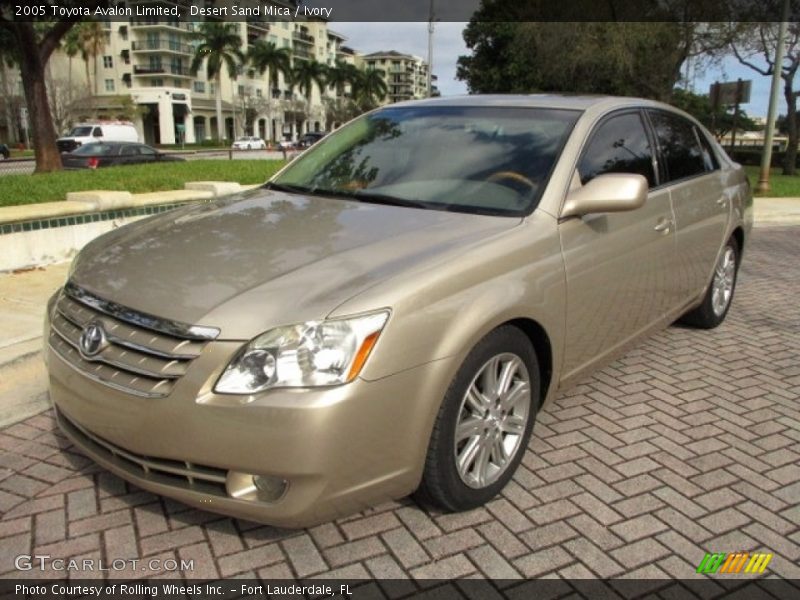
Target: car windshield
(243,139)
(80,132)
(97,149)
(488,160)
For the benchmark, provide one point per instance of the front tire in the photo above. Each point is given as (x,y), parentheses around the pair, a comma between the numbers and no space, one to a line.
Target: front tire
(717,301)
(484,423)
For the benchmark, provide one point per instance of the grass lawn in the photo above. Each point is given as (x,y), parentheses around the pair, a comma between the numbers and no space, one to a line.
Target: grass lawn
(51,187)
(21,153)
(782,186)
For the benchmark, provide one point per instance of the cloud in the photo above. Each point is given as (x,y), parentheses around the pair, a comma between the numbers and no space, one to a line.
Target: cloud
(412,38)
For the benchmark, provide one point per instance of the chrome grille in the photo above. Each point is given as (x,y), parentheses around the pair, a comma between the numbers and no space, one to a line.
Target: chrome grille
(200,478)
(137,359)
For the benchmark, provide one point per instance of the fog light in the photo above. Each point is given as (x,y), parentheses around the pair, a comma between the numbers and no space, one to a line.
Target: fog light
(255,488)
(270,489)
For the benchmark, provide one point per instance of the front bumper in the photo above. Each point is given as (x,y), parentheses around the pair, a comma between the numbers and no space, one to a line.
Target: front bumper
(341,449)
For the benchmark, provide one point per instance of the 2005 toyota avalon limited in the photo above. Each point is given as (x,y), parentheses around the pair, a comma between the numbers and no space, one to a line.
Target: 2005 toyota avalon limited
(391,310)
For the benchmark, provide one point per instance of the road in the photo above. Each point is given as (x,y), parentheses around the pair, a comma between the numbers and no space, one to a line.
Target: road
(26,167)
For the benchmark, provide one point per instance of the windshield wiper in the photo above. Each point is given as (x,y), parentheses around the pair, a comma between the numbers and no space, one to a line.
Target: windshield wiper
(373,198)
(288,187)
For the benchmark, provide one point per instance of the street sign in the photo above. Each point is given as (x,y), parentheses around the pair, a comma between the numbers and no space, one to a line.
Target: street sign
(730,93)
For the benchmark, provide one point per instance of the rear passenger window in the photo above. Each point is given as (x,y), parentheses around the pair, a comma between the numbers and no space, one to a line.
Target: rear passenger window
(709,158)
(618,145)
(97,132)
(679,145)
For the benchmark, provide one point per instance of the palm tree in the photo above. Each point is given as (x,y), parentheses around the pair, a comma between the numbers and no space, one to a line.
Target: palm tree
(340,74)
(267,57)
(72,46)
(219,45)
(304,75)
(370,88)
(92,40)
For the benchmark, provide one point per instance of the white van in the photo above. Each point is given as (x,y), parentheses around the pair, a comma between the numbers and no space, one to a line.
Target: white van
(101,131)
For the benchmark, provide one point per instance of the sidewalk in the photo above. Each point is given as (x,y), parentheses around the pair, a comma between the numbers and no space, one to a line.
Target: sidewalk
(23,295)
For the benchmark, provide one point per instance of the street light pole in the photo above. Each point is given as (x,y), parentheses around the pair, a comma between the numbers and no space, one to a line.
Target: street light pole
(766,157)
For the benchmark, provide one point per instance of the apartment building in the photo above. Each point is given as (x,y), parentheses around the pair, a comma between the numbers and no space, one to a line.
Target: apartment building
(405,75)
(149,59)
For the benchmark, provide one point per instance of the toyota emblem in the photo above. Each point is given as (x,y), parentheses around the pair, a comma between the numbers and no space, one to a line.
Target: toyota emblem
(93,339)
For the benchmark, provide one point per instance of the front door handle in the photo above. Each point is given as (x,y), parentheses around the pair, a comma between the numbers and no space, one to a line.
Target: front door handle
(663,226)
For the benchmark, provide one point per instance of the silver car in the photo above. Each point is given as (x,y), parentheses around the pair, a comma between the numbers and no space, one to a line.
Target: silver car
(389,313)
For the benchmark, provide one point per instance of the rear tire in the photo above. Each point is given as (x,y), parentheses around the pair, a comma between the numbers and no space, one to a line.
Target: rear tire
(484,423)
(719,295)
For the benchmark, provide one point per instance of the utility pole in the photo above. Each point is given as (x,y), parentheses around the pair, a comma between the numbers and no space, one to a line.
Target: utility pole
(766,157)
(430,51)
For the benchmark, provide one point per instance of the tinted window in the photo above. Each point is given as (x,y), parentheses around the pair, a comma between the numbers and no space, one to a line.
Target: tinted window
(97,149)
(129,151)
(146,150)
(679,145)
(618,145)
(80,131)
(709,159)
(97,132)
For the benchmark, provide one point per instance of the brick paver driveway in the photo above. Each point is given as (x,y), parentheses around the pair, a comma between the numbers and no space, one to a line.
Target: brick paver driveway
(690,443)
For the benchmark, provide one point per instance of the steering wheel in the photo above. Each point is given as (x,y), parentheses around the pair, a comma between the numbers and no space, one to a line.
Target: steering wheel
(512,175)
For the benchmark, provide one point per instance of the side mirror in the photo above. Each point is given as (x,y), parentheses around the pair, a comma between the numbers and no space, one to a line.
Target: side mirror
(612,192)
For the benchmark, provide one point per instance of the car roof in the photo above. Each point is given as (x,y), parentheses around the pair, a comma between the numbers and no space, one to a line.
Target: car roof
(564,101)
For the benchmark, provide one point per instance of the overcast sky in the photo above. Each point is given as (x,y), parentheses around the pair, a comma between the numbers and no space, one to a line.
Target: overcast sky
(412,38)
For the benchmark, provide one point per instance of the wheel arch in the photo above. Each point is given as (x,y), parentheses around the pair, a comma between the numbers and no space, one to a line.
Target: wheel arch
(543,348)
(738,235)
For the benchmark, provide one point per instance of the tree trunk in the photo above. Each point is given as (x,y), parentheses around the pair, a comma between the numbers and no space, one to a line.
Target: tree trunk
(790,162)
(218,95)
(8,109)
(32,69)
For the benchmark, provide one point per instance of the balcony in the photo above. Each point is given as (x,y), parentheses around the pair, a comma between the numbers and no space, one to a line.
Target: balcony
(176,70)
(162,45)
(300,52)
(299,36)
(155,23)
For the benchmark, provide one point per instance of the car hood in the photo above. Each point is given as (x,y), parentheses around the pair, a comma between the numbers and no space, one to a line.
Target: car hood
(266,258)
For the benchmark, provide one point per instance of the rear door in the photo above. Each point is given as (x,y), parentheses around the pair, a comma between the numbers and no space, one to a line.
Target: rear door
(701,206)
(620,267)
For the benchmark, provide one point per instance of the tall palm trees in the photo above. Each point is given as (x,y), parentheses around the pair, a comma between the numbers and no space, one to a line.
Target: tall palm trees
(71,45)
(370,88)
(219,45)
(91,39)
(267,58)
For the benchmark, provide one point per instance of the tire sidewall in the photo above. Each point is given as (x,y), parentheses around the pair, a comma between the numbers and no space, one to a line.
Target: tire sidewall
(459,495)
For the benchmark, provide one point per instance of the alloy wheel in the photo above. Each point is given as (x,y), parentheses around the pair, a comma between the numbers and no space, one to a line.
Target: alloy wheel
(724,278)
(492,420)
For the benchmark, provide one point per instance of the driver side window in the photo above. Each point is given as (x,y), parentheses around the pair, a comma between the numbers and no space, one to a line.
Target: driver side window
(619,145)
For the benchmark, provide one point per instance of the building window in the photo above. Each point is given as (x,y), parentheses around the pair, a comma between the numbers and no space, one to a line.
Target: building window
(200,87)
(240,90)
(176,82)
(258,93)
(109,85)
(212,88)
(157,82)
(108,62)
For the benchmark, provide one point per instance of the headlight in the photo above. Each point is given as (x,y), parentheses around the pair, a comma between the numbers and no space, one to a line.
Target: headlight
(315,353)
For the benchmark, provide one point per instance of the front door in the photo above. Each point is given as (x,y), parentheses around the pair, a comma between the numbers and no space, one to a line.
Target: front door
(620,267)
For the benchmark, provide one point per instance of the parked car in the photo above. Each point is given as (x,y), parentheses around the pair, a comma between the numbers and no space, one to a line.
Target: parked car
(392,309)
(5,153)
(114,154)
(311,138)
(287,145)
(249,143)
(101,131)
